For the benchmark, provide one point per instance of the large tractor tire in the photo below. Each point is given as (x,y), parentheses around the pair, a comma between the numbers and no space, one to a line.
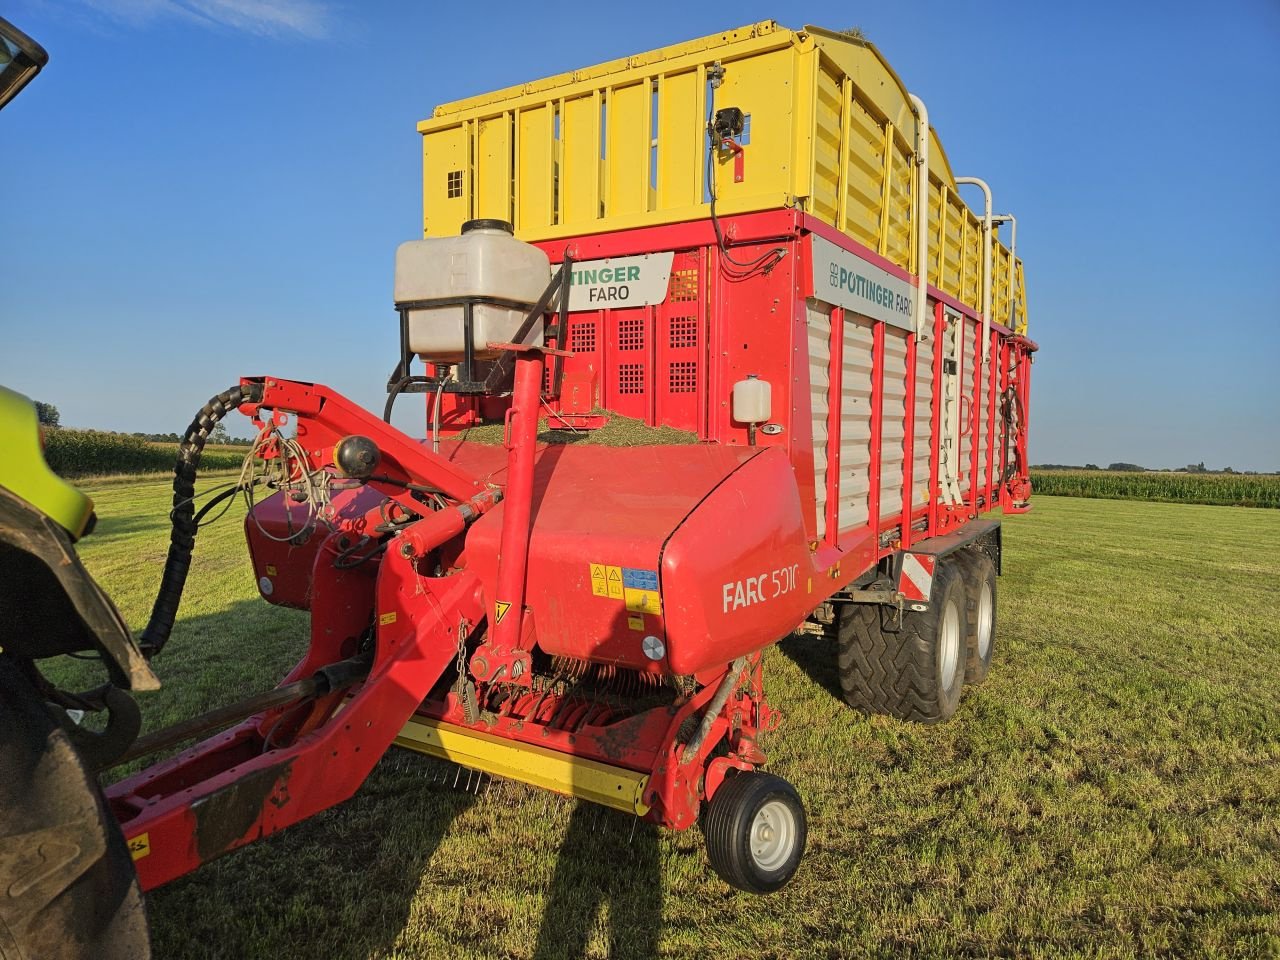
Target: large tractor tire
(979,576)
(916,673)
(68,890)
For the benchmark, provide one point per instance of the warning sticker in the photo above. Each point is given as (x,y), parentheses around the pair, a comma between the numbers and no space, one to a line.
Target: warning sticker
(271,571)
(636,622)
(606,581)
(501,607)
(387,619)
(637,589)
(140,846)
(640,590)
(599,580)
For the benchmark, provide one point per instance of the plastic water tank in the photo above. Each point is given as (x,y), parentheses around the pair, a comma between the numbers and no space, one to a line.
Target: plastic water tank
(486,261)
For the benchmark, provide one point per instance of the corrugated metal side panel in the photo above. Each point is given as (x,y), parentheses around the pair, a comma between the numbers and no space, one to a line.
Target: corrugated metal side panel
(893,422)
(953,246)
(965,467)
(819,317)
(855,422)
(923,425)
(1000,284)
(983,406)
(899,224)
(971,256)
(826,152)
(864,179)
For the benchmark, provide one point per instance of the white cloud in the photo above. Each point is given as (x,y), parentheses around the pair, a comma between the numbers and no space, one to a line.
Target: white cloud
(268,18)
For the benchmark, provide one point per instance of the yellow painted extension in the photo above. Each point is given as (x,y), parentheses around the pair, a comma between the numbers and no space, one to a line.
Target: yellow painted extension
(624,144)
(534,765)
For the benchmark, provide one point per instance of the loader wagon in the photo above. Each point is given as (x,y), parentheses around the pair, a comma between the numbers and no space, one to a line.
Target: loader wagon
(754,238)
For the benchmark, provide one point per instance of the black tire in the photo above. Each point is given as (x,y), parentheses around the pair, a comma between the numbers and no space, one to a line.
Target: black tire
(979,576)
(72,890)
(901,674)
(756,830)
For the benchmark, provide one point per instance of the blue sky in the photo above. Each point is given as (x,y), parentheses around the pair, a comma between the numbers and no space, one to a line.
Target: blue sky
(198,190)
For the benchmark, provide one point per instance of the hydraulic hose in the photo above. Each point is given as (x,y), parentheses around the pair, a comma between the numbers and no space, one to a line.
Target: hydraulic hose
(182,538)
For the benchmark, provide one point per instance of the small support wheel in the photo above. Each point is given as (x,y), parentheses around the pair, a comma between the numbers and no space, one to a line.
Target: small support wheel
(755,829)
(979,576)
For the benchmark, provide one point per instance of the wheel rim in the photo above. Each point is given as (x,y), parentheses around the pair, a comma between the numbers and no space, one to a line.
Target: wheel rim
(949,643)
(773,835)
(986,611)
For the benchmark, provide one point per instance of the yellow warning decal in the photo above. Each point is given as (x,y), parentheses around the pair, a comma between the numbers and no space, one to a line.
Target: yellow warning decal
(642,601)
(501,606)
(606,581)
(271,571)
(636,622)
(140,846)
(387,619)
(613,577)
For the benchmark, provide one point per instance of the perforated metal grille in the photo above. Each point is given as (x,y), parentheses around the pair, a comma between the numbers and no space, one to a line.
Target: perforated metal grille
(684,284)
(582,337)
(454,183)
(683,376)
(684,332)
(631,333)
(630,378)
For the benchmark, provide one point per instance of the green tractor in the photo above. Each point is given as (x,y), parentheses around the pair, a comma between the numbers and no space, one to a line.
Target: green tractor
(69,888)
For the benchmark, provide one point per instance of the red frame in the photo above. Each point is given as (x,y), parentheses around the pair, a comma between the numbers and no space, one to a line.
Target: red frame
(243,784)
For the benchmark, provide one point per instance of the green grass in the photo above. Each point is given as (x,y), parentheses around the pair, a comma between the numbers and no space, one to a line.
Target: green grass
(1113,789)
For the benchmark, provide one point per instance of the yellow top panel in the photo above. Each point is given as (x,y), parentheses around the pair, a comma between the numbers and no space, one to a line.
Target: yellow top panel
(829,130)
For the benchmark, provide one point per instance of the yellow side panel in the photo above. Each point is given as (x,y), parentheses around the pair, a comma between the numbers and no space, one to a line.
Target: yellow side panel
(682,140)
(936,210)
(580,175)
(864,176)
(971,283)
(535,161)
(826,148)
(759,86)
(1020,304)
(493,167)
(1000,283)
(446,181)
(953,245)
(899,235)
(627,113)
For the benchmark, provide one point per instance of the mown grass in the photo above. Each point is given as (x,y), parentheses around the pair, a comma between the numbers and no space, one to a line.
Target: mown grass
(1113,790)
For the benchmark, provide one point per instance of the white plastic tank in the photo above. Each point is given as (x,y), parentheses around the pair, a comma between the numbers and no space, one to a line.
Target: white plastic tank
(486,261)
(752,400)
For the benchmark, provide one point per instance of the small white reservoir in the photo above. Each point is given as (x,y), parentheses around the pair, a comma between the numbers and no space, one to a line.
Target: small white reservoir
(486,261)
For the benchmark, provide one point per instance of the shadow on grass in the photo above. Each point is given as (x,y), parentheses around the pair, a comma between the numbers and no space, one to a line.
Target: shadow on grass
(594,870)
(816,656)
(367,877)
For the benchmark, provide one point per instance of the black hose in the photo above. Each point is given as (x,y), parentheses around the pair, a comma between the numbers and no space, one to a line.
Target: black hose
(182,539)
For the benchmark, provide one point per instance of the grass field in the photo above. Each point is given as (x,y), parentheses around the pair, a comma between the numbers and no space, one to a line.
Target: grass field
(1113,790)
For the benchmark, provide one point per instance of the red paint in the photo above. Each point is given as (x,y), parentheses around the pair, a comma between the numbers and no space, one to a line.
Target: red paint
(719,534)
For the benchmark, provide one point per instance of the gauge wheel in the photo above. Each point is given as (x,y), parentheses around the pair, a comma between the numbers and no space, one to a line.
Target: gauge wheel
(755,828)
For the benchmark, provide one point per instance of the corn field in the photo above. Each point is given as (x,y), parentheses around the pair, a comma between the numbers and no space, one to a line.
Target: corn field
(86,453)
(1228,489)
